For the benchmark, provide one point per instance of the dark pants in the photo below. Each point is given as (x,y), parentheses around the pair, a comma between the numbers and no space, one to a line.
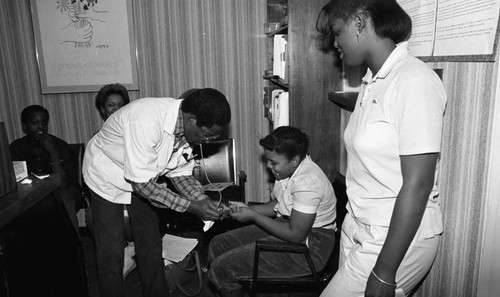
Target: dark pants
(109,232)
(231,256)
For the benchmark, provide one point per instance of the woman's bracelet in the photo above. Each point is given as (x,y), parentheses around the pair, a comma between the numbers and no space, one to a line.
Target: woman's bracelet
(383,281)
(57,162)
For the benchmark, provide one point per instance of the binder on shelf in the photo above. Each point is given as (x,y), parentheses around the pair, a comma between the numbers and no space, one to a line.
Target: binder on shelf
(268,100)
(279,56)
(280,109)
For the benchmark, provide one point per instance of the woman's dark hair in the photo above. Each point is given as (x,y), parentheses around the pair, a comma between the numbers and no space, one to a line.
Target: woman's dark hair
(30,110)
(389,19)
(209,106)
(287,140)
(108,90)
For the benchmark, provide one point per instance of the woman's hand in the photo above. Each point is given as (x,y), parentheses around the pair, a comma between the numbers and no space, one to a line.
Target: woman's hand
(418,179)
(376,288)
(47,142)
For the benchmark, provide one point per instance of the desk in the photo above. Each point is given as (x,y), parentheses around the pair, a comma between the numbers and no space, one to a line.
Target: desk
(43,255)
(25,196)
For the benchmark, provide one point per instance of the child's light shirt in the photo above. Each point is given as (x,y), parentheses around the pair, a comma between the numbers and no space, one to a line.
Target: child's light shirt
(309,191)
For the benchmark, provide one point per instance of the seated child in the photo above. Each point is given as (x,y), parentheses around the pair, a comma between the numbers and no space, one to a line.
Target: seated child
(302,209)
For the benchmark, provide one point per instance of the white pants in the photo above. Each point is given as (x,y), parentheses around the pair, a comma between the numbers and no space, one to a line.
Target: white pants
(360,246)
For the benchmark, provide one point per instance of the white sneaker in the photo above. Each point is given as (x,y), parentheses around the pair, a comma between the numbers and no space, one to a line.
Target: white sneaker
(128,265)
(129,250)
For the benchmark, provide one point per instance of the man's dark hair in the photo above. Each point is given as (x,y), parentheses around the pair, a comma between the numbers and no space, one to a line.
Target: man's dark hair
(108,90)
(287,140)
(30,110)
(388,17)
(209,106)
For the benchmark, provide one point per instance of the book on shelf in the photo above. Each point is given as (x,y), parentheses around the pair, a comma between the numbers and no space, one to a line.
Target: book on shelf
(280,56)
(280,109)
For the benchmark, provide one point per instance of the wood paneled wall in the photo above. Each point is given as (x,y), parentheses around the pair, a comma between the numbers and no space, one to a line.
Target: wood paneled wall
(313,73)
(181,44)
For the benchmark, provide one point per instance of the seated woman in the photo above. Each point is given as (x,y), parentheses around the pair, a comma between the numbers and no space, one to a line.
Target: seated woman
(44,153)
(51,220)
(110,98)
(302,209)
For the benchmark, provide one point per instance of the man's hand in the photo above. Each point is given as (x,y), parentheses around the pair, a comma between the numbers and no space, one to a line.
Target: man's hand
(205,209)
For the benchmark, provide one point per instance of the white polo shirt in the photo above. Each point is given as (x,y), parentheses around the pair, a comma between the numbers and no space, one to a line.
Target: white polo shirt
(135,144)
(308,190)
(398,112)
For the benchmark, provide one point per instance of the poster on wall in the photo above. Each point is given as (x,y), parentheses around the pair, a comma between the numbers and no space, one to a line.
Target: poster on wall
(453,30)
(82,45)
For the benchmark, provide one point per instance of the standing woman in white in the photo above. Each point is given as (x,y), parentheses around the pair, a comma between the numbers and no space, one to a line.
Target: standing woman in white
(391,233)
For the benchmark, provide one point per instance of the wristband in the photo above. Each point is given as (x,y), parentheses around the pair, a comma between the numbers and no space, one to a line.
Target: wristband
(383,281)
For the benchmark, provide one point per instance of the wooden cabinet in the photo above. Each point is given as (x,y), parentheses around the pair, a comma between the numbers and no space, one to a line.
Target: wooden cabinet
(312,74)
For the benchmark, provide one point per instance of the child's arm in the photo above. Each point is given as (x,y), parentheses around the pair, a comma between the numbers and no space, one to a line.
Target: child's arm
(266,209)
(294,230)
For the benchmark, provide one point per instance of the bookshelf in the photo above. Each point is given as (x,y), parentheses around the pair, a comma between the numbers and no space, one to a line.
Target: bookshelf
(311,75)
(344,100)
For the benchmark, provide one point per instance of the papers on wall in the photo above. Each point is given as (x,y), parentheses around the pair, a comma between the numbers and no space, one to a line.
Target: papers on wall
(452,27)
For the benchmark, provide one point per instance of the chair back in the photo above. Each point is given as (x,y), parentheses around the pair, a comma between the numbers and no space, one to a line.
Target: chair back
(332,264)
(77,151)
(7,176)
(215,162)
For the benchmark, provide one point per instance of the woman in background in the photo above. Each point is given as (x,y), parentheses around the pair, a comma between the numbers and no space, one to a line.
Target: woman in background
(110,98)
(44,153)
(391,233)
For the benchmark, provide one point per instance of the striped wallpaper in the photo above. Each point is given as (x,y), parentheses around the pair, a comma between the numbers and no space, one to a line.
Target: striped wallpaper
(181,44)
(466,136)
(220,43)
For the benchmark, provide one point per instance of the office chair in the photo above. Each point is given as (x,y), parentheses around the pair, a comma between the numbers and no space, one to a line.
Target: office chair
(317,280)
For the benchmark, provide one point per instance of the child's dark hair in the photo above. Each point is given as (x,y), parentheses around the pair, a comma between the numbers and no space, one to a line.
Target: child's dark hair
(30,110)
(287,140)
(209,106)
(389,19)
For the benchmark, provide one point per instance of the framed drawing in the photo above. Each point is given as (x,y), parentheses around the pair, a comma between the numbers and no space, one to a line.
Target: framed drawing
(82,45)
